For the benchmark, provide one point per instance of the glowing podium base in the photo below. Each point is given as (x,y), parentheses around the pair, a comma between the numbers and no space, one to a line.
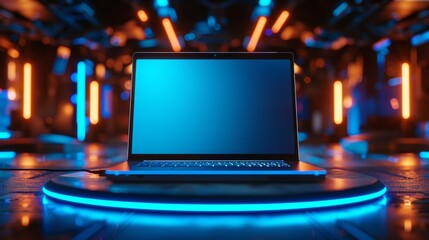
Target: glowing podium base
(338,189)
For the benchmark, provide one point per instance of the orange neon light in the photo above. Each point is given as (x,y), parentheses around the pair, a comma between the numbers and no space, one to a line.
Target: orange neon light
(26,101)
(171,35)
(11,71)
(13,53)
(256,34)
(63,52)
(100,71)
(11,94)
(280,21)
(405,91)
(94,104)
(338,102)
(142,15)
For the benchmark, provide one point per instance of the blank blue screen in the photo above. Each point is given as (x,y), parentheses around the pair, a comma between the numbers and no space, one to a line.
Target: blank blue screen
(206,106)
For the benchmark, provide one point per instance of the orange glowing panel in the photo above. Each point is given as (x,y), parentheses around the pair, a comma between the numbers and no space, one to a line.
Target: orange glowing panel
(348,102)
(256,34)
(405,91)
(280,21)
(142,15)
(394,103)
(13,53)
(174,41)
(100,71)
(11,71)
(63,52)
(94,104)
(11,94)
(26,101)
(338,102)
(25,220)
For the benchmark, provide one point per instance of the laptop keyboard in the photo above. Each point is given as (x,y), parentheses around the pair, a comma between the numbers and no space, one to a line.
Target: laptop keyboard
(216,164)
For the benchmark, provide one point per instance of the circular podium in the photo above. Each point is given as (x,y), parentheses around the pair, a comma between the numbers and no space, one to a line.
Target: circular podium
(338,189)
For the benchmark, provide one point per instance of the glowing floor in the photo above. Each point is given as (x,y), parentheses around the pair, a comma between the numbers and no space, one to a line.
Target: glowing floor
(403,213)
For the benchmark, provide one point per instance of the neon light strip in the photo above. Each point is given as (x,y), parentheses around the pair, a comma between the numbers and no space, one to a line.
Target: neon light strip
(338,102)
(81,102)
(381,44)
(340,9)
(420,39)
(106,101)
(5,135)
(256,34)
(280,21)
(94,106)
(171,35)
(424,154)
(11,71)
(26,102)
(217,172)
(213,207)
(8,154)
(405,91)
(142,15)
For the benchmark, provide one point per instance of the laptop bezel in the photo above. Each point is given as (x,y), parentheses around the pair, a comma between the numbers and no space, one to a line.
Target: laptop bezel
(184,55)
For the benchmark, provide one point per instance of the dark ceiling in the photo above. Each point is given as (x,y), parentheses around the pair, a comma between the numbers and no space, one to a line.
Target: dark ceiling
(210,25)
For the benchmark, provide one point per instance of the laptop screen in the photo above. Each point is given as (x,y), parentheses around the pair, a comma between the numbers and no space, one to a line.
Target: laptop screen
(213,106)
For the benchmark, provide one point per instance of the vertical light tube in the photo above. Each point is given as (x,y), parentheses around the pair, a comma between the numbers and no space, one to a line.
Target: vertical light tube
(256,34)
(26,98)
(338,102)
(80,101)
(106,101)
(280,21)
(142,15)
(406,91)
(11,71)
(94,105)
(171,35)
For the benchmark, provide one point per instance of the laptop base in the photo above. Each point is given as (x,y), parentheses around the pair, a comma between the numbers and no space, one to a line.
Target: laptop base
(295,172)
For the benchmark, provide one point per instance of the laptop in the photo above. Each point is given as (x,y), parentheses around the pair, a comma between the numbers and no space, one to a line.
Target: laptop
(210,117)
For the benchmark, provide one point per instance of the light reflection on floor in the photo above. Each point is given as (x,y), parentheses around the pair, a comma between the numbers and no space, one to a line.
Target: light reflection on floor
(356,221)
(404,214)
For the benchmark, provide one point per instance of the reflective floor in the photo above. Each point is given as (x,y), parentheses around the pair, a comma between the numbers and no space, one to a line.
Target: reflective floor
(26,214)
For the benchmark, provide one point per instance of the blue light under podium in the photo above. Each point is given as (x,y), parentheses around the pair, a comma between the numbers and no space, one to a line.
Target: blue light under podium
(338,189)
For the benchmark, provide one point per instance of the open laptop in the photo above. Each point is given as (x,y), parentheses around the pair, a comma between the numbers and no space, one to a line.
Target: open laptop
(213,117)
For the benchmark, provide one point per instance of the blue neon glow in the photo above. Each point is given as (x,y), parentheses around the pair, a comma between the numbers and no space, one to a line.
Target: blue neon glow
(5,135)
(358,147)
(353,123)
(424,155)
(106,101)
(340,9)
(60,65)
(8,154)
(211,21)
(217,172)
(190,36)
(420,39)
(73,99)
(213,207)
(148,43)
(125,95)
(264,3)
(81,101)
(302,136)
(161,3)
(395,81)
(215,221)
(383,44)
